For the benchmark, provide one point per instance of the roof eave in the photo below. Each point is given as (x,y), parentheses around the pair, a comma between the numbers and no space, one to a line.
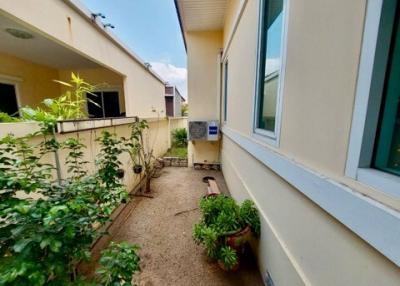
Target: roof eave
(180,23)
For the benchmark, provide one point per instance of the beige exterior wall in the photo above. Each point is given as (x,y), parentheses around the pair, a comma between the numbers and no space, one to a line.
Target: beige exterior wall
(59,22)
(34,82)
(203,50)
(157,138)
(301,244)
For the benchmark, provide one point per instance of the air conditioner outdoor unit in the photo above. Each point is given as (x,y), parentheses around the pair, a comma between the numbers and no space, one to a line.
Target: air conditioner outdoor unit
(204,130)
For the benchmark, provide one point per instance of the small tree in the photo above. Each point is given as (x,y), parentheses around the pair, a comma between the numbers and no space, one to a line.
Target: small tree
(140,152)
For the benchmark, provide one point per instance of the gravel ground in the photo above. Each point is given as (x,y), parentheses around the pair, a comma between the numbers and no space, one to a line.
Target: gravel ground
(169,254)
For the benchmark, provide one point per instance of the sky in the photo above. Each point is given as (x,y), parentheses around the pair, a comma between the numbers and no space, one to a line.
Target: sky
(151,29)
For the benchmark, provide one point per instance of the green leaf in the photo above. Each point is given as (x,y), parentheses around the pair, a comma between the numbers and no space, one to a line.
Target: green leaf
(20,245)
(55,245)
(63,83)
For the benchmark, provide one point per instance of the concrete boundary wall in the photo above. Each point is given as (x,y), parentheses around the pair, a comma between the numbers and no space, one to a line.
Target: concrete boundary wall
(157,137)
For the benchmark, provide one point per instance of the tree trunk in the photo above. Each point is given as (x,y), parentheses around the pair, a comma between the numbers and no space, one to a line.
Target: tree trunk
(148,188)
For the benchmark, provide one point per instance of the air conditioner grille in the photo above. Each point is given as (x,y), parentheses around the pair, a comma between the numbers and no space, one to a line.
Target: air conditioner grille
(198,130)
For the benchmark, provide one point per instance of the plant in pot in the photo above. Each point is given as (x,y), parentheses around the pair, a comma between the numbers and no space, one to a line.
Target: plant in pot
(225,228)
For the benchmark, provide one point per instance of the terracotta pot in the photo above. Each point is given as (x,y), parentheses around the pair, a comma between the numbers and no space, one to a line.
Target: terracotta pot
(238,240)
(210,195)
(120,173)
(137,169)
(233,269)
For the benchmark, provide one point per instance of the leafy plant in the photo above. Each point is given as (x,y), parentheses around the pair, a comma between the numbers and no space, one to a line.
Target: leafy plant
(140,152)
(179,136)
(40,238)
(222,217)
(69,105)
(74,159)
(118,263)
(6,118)
(248,213)
(44,236)
(228,257)
(108,169)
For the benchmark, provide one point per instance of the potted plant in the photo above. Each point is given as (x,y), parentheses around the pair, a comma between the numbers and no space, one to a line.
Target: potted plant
(137,169)
(120,173)
(225,227)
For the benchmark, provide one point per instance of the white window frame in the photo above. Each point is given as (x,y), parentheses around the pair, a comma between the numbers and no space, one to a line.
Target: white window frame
(270,137)
(225,65)
(15,81)
(369,90)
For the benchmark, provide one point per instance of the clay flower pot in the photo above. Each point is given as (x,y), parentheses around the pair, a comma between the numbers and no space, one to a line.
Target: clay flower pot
(238,239)
(233,269)
(210,195)
(120,173)
(137,169)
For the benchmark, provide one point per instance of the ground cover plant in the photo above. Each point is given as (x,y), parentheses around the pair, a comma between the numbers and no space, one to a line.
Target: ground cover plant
(180,152)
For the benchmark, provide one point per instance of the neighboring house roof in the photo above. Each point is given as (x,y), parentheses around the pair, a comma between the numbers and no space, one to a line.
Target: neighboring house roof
(87,14)
(171,88)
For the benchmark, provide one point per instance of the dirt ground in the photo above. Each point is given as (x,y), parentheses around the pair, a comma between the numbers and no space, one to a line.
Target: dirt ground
(168,252)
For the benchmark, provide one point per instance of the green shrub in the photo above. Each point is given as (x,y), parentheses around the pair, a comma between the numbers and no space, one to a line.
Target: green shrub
(118,263)
(179,137)
(221,217)
(43,239)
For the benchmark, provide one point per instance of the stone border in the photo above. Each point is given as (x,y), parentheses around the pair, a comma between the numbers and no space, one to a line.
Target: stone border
(207,166)
(174,162)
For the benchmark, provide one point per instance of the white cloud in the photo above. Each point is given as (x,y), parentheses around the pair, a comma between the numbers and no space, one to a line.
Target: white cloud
(272,65)
(173,75)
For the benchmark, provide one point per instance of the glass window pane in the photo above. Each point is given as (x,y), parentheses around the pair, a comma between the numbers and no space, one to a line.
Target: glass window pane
(8,99)
(387,153)
(270,57)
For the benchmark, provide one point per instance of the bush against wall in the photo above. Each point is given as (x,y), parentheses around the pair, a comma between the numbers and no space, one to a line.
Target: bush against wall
(47,226)
(179,137)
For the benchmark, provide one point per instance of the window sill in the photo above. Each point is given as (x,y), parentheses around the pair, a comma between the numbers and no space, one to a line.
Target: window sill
(381,181)
(265,136)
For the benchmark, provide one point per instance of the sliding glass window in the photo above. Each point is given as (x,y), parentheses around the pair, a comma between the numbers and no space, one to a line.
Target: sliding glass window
(387,147)
(269,64)
(225,89)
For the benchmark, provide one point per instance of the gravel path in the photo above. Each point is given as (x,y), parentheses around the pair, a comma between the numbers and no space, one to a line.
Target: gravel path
(169,255)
